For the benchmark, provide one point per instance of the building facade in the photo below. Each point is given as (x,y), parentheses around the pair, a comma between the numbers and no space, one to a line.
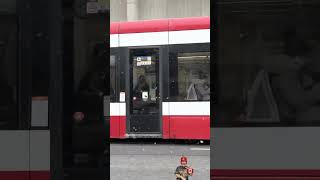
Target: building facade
(132,10)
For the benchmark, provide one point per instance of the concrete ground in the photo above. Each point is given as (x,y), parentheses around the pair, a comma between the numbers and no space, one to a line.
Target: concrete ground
(157,161)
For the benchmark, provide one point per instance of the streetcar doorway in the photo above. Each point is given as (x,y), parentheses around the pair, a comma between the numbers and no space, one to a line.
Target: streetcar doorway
(85,77)
(144,91)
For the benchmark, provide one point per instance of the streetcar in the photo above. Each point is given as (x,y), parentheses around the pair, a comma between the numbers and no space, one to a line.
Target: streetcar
(42,61)
(160,79)
(266,120)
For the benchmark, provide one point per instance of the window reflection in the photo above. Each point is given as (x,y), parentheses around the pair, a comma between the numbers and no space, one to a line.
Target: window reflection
(113,78)
(268,71)
(8,68)
(192,77)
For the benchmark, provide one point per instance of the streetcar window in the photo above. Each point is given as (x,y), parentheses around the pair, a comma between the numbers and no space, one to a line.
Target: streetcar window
(113,78)
(7,7)
(8,68)
(190,72)
(268,67)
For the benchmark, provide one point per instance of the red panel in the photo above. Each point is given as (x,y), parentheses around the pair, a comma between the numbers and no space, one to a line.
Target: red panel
(166,127)
(114,28)
(40,175)
(144,26)
(253,173)
(122,126)
(14,175)
(265,178)
(190,127)
(24,175)
(114,126)
(180,24)
(117,126)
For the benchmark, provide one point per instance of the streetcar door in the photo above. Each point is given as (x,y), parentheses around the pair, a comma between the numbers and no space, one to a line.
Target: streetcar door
(144,95)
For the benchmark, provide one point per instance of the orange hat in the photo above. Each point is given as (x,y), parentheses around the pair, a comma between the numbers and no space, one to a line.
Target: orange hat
(183,159)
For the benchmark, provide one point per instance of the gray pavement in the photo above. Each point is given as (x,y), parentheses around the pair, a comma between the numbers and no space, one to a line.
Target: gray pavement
(157,161)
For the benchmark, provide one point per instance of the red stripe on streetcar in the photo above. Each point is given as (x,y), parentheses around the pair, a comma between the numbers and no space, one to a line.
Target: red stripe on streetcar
(14,175)
(114,28)
(143,26)
(160,25)
(166,127)
(215,173)
(186,127)
(122,125)
(173,126)
(25,175)
(117,126)
(114,127)
(40,175)
(265,178)
(189,23)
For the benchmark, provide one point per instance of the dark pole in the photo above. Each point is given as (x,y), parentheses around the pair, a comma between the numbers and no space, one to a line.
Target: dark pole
(55,88)
(24,66)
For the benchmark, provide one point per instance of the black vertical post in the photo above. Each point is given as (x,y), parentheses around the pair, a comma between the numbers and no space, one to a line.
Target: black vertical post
(24,63)
(56,89)
(214,89)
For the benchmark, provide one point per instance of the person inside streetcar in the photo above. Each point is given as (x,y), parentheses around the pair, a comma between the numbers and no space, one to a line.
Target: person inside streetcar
(89,124)
(296,85)
(199,88)
(142,86)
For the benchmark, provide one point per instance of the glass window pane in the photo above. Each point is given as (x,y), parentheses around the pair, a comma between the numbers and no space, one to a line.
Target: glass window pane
(113,78)
(192,76)
(268,70)
(8,67)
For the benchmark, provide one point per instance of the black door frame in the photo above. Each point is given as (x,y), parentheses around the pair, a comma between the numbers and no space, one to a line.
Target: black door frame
(125,62)
(26,10)
(114,98)
(24,67)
